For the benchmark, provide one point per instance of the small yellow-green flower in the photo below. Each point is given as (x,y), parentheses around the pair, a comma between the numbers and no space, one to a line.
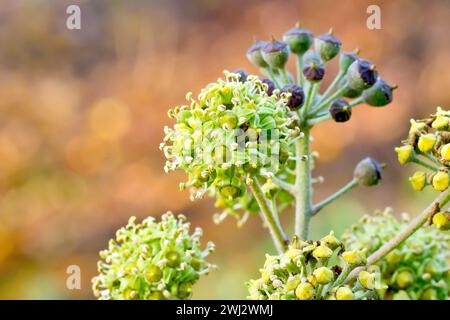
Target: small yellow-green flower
(405,154)
(323,275)
(322,251)
(441,122)
(404,279)
(355,257)
(426,142)
(445,152)
(367,279)
(305,291)
(418,180)
(441,181)
(344,293)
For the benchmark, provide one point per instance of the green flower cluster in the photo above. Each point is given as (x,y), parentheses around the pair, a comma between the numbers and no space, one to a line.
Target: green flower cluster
(417,269)
(315,270)
(234,130)
(152,261)
(428,144)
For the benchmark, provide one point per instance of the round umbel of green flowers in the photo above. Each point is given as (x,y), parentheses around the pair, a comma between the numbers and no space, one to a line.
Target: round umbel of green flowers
(417,269)
(428,145)
(152,261)
(232,131)
(315,270)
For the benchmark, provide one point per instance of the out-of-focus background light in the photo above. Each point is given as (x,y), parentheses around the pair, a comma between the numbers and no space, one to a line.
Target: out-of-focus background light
(82,115)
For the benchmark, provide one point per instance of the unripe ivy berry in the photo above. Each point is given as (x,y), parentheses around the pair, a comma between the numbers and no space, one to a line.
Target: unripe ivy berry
(368,172)
(254,54)
(445,152)
(242,75)
(405,154)
(298,39)
(346,59)
(340,110)
(418,180)
(440,181)
(442,220)
(344,293)
(275,53)
(313,71)
(361,75)
(327,45)
(297,96)
(323,275)
(270,86)
(426,142)
(380,94)
(305,291)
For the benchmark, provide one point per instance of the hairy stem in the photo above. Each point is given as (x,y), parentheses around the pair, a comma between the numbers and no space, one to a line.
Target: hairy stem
(269,218)
(412,227)
(349,186)
(303,186)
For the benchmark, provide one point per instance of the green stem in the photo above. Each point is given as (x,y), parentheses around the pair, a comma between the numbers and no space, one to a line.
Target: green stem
(333,84)
(349,186)
(273,77)
(300,78)
(425,164)
(269,218)
(284,76)
(321,105)
(303,186)
(430,157)
(356,101)
(412,227)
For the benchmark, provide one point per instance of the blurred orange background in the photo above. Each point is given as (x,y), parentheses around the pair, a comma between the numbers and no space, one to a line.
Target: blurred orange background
(82,114)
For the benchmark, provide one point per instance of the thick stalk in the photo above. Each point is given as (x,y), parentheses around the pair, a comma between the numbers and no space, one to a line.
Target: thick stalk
(303,186)
(269,218)
(412,227)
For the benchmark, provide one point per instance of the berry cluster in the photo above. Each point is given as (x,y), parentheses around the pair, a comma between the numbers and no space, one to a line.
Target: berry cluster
(357,78)
(417,269)
(428,145)
(315,270)
(152,261)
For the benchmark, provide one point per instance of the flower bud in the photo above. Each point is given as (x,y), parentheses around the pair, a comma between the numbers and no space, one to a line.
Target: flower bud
(270,86)
(323,275)
(297,96)
(442,220)
(441,123)
(426,142)
(153,274)
(346,59)
(313,71)
(322,252)
(368,172)
(445,152)
(305,291)
(367,279)
(298,39)
(173,259)
(327,45)
(275,53)
(355,257)
(229,120)
(242,75)
(404,279)
(394,257)
(405,154)
(401,295)
(441,181)
(340,110)
(255,56)
(418,180)
(429,294)
(344,293)
(380,94)
(361,75)
(330,240)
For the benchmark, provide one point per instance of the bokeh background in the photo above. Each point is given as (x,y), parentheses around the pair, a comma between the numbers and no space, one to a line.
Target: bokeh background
(82,115)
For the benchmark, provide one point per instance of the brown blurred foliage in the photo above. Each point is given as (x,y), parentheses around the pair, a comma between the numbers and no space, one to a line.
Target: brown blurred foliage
(82,114)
